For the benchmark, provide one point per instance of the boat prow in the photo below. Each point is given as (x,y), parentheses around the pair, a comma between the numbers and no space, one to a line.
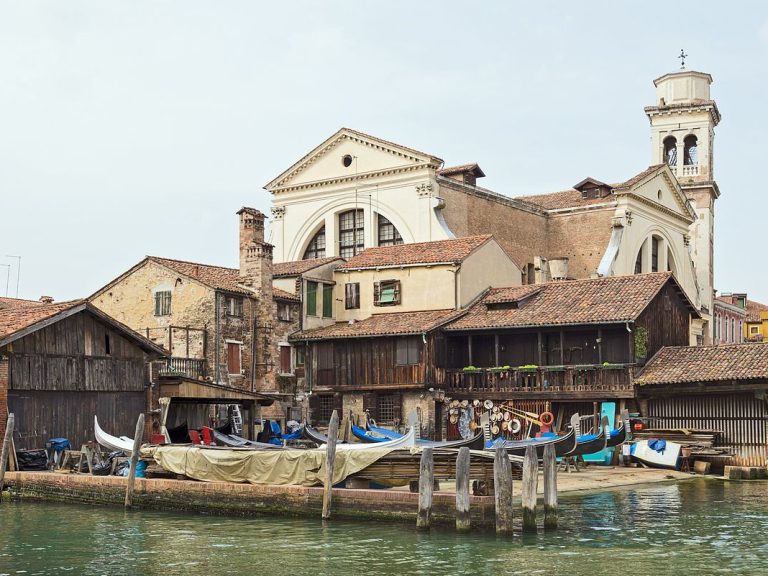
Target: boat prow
(113,443)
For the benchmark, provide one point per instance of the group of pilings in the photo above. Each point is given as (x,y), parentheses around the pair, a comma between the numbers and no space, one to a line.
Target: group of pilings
(502,483)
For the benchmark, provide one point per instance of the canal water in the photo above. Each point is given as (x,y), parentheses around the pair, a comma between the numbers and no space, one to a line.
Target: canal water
(695,527)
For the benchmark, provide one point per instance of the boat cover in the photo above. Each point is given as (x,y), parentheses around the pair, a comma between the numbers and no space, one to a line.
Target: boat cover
(276,467)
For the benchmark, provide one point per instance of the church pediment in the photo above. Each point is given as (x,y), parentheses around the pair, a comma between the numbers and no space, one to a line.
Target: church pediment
(657,186)
(347,155)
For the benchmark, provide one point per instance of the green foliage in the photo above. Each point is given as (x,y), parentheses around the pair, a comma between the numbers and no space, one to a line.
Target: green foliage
(641,342)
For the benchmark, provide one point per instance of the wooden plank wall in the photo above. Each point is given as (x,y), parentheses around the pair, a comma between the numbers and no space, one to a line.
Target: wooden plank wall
(42,415)
(666,319)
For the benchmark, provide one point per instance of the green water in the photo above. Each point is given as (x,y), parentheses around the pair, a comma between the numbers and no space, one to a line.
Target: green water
(696,527)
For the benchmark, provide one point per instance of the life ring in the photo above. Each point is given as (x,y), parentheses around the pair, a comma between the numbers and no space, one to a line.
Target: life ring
(515,425)
(547,418)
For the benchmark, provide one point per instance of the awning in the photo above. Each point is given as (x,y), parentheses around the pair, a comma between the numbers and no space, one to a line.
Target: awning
(191,390)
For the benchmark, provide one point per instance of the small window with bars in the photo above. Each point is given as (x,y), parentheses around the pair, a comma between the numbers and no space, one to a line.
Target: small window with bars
(352,295)
(386,408)
(386,293)
(163,303)
(324,408)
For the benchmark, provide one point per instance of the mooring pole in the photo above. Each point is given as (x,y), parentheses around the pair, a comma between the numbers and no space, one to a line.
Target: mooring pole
(530,484)
(134,461)
(330,458)
(502,482)
(550,488)
(4,455)
(462,490)
(426,486)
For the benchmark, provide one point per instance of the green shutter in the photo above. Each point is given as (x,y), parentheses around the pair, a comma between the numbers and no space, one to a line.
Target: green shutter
(387,295)
(311,298)
(327,301)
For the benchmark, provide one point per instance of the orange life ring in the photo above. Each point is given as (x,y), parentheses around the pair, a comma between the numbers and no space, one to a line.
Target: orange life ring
(547,418)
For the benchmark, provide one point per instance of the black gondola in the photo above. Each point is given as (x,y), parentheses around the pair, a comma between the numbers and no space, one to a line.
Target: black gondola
(237,442)
(617,437)
(476,442)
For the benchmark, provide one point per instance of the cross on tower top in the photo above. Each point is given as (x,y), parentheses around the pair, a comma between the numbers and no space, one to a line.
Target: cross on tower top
(682,57)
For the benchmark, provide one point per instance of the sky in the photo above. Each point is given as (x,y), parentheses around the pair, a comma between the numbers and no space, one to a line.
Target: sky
(133,128)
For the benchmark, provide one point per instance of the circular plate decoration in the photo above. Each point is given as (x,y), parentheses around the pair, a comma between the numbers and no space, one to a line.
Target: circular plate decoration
(475,402)
(464,403)
(495,429)
(495,409)
(453,411)
(507,416)
(505,425)
(488,404)
(454,419)
(454,404)
(515,425)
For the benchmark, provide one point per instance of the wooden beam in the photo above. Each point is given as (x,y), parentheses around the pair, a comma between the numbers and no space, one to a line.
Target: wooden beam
(550,487)
(134,461)
(502,481)
(530,485)
(330,457)
(463,522)
(4,454)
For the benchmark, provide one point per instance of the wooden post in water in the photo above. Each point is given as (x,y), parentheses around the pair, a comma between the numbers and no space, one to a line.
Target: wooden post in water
(134,461)
(426,486)
(462,490)
(502,480)
(4,455)
(550,488)
(530,484)
(330,458)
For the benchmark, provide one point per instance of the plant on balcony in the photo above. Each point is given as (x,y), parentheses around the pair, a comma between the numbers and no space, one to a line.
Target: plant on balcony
(528,368)
(641,344)
(554,368)
(471,369)
(499,368)
(584,367)
(613,366)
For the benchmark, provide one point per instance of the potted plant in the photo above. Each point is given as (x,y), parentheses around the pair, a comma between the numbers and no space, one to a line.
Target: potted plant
(613,366)
(584,367)
(471,369)
(527,368)
(556,368)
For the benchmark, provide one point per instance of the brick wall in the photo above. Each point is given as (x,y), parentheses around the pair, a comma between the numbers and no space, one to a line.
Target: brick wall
(582,237)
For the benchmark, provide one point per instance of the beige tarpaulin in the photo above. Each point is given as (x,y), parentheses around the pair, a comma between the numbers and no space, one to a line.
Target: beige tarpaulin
(276,467)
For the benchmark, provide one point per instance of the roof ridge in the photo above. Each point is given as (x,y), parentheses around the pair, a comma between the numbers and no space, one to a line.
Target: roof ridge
(193,263)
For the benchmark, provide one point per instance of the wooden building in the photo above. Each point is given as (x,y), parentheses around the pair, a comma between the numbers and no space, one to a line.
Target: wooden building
(723,388)
(62,364)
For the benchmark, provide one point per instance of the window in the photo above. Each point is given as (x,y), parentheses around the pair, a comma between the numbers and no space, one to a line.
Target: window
(234,361)
(352,295)
(690,150)
(386,293)
(163,303)
(285,360)
(316,247)
(385,407)
(351,233)
(670,150)
(299,355)
(284,311)
(327,300)
(107,346)
(235,306)
(654,254)
(388,234)
(407,351)
(324,408)
(754,329)
(311,298)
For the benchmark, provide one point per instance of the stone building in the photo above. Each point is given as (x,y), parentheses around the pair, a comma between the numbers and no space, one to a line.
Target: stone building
(729,316)
(356,191)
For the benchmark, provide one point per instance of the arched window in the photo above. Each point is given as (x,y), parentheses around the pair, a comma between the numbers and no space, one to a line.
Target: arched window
(671,264)
(691,156)
(655,253)
(670,150)
(639,260)
(388,234)
(316,247)
(351,233)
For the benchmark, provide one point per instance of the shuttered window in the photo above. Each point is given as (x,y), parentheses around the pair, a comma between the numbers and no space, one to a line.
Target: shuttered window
(311,298)
(327,300)
(235,306)
(285,360)
(386,293)
(352,295)
(163,303)
(234,361)
(407,351)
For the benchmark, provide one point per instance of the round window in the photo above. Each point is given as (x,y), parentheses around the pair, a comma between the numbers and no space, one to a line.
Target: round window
(346,160)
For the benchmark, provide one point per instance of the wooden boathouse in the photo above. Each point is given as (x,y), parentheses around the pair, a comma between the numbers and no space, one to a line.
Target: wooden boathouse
(720,388)
(61,364)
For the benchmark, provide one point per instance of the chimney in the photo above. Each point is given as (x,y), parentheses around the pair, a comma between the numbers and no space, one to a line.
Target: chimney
(255,254)
(46,299)
(558,268)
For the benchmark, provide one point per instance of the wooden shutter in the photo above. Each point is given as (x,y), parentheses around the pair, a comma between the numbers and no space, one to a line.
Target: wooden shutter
(376,293)
(311,298)
(233,358)
(327,301)
(440,351)
(401,351)
(285,359)
(397,406)
(314,407)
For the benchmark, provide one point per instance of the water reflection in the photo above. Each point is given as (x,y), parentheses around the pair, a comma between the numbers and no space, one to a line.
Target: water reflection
(706,526)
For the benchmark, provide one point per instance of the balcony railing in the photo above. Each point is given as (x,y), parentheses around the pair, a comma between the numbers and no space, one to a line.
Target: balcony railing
(188,367)
(685,170)
(548,379)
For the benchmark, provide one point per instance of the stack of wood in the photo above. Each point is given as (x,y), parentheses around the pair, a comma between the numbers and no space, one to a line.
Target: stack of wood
(700,441)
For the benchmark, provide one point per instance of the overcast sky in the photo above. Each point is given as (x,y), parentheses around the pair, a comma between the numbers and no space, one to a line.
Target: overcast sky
(134,128)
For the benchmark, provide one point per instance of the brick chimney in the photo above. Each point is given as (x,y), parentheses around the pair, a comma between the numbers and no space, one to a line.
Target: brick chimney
(255,254)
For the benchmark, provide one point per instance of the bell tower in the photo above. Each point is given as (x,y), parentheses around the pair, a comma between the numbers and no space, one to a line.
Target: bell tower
(683,122)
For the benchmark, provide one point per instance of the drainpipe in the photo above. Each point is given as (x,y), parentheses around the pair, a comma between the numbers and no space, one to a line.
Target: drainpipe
(456,286)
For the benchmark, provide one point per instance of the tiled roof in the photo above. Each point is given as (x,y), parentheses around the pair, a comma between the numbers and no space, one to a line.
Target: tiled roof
(754,309)
(16,302)
(638,177)
(471,167)
(298,267)
(595,301)
(678,364)
(14,319)
(436,252)
(392,324)
(213,276)
(279,294)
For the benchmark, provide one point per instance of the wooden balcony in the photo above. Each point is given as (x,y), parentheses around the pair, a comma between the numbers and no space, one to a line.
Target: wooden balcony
(189,367)
(548,382)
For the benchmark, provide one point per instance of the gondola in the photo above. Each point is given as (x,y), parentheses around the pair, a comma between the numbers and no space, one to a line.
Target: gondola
(564,445)
(406,441)
(617,437)
(589,444)
(315,436)
(112,443)
(474,443)
(234,441)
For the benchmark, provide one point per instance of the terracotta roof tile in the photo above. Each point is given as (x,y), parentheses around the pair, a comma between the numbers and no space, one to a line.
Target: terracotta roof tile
(279,294)
(594,301)
(471,167)
(638,177)
(20,317)
(436,252)
(213,276)
(391,324)
(571,198)
(678,364)
(754,309)
(298,267)
(16,302)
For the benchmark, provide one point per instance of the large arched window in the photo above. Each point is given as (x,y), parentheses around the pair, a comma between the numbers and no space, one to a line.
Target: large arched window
(639,260)
(388,234)
(655,243)
(691,154)
(351,233)
(316,247)
(670,150)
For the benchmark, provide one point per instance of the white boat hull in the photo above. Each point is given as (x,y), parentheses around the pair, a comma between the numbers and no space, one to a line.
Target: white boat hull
(112,443)
(407,441)
(668,458)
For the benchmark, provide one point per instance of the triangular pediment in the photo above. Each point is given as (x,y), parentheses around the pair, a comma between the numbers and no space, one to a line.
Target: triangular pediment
(349,154)
(658,186)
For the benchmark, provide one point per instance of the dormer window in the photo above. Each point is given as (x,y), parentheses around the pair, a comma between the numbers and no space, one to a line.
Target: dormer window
(591,189)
